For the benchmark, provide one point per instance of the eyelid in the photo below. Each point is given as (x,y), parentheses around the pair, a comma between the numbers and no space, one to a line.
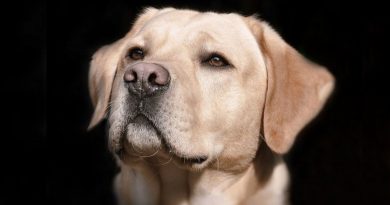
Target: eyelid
(207,57)
(131,49)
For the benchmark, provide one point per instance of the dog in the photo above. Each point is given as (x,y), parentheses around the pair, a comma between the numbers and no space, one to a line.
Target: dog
(200,107)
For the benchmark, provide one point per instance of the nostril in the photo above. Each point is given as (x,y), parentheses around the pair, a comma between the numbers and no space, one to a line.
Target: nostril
(130,76)
(152,79)
(161,77)
(158,78)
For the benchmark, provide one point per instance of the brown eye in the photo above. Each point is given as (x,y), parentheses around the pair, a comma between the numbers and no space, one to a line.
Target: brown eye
(217,61)
(136,54)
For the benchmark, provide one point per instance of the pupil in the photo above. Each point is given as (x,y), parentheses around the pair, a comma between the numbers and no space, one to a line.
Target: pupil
(137,53)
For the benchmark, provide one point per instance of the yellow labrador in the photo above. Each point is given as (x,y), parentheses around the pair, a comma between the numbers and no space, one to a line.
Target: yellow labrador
(200,107)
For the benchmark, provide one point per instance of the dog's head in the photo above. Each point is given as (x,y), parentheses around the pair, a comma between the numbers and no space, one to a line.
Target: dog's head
(202,88)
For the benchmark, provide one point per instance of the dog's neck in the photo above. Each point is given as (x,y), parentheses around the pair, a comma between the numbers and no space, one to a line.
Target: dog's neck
(171,185)
(218,187)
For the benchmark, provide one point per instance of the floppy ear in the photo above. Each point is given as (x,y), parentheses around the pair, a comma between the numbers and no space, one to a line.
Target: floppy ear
(103,67)
(296,88)
(101,75)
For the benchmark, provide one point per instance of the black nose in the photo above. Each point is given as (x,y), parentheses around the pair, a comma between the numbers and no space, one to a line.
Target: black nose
(146,79)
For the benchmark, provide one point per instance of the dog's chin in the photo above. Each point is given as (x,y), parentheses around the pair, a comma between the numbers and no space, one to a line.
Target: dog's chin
(145,142)
(142,137)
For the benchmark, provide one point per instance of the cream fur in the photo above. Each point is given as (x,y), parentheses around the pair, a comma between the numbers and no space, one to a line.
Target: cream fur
(268,90)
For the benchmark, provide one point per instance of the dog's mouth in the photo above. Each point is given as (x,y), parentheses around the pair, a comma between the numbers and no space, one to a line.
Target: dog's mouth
(192,163)
(167,150)
(195,160)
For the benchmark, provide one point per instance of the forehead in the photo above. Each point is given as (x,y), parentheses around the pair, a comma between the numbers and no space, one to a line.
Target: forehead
(188,27)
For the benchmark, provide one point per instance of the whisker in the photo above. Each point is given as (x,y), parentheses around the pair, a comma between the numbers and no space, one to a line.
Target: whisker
(217,163)
(135,150)
(165,163)
(146,156)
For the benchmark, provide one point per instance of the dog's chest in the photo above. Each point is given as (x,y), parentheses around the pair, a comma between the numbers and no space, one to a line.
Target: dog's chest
(184,188)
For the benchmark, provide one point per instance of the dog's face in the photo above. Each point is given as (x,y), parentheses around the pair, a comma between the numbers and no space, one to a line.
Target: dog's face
(200,88)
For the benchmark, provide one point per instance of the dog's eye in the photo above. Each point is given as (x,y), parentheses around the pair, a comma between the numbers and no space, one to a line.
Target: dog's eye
(136,54)
(216,60)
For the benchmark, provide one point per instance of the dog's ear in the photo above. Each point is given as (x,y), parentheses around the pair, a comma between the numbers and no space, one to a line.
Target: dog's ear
(103,66)
(296,88)
(101,75)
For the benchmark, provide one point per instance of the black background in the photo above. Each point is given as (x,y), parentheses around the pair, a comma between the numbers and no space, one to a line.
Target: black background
(343,157)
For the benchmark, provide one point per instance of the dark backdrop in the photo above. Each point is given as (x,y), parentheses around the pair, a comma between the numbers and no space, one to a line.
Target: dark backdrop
(343,157)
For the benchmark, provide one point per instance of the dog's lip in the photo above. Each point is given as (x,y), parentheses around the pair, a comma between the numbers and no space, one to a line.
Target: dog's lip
(141,118)
(180,157)
(192,160)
